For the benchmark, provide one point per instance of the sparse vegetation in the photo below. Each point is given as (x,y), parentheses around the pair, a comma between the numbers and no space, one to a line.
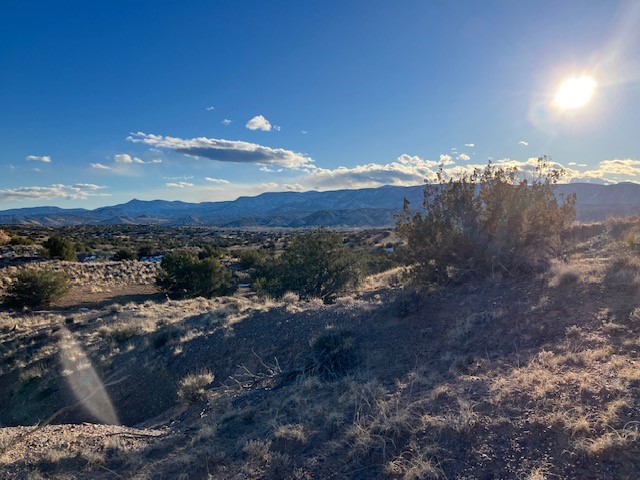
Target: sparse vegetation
(534,378)
(36,288)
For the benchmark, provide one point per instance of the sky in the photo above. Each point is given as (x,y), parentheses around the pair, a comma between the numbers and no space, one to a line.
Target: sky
(105,101)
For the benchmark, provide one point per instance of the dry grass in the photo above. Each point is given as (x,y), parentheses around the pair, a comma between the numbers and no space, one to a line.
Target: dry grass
(192,387)
(100,275)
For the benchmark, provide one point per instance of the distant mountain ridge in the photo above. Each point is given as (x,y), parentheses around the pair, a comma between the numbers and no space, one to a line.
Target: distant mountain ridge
(367,207)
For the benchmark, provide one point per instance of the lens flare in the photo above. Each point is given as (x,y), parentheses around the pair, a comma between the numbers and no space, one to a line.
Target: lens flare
(83,380)
(575,92)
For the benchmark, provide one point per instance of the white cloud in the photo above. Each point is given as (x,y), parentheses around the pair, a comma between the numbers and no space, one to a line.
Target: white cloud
(126,158)
(259,123)
(216,180)
(405,170)
(100,166)
(522,142)
(304,132)
(446,159)
(89,186)
(471,145)
(79,191)
(39,158)
(208,109)
(264,168)
(179,184)
(155,160)
(225,150)
(464,156)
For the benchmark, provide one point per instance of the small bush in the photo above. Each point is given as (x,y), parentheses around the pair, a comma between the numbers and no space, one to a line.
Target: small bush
(632,240)
(36,288)
(18,240)
(61,248)
(623,275)
(120,331)
(251,258)
(192,387)
(184,275)
(211,251)
(567,279)
(146,250)
(407,302)
(124,254)
(332,355)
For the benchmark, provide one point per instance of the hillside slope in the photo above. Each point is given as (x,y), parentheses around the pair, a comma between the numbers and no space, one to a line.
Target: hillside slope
(531,378)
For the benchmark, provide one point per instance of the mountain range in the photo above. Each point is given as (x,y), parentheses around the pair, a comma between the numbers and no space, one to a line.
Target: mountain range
(367,207)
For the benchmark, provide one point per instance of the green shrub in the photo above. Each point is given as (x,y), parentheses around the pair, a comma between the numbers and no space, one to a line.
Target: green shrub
(124,254)
(315,264)
(60,248)
(211,251)
(376,262)
(18,240)
(146,250)
(251,258)
(185,275)
(486,222)
(36,288)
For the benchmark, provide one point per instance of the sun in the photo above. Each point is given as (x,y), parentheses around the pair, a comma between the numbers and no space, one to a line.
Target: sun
(575,92)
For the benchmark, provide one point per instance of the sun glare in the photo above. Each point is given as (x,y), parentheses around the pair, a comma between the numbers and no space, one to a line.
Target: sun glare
(575,92)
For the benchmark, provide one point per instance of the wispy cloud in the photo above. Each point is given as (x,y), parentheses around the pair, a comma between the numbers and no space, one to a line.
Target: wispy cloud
(226,122)
(78,191)
(225,150)
(260,123)
(100,166)
(464,156)
(39,158)
(179,184)
(522,142)
(471,145)
(216,180)
(208,109)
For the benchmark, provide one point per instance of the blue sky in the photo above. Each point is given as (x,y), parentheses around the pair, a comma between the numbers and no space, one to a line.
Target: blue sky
(199,100)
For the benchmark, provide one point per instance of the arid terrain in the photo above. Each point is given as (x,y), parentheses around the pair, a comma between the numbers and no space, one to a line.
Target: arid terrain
(529,378)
